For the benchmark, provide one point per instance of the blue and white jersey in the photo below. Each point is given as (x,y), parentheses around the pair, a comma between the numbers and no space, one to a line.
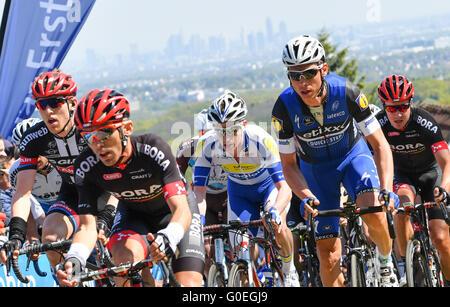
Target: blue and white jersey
(344,108)
(258,160)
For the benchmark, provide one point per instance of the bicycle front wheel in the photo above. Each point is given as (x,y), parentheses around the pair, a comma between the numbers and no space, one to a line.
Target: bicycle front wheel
(416,266)
(239,275)
(357,276)
(215,277)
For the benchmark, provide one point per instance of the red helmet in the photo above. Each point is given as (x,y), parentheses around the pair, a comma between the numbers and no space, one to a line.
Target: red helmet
(100,107)
(53,83)
(395,88)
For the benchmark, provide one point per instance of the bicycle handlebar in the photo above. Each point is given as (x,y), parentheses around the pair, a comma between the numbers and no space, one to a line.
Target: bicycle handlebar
(390,218)
(232,225)
(30,251)
(429,204)
(346,212)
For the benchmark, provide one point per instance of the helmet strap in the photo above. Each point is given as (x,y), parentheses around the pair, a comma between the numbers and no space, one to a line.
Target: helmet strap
(120,164)
(68,121)
(322,87)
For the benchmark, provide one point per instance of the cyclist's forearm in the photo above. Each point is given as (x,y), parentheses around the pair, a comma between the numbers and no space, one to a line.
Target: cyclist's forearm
(200,195)
(32,233)
(296,181)
(21,205)
(84,239)
(181,213)
(284,195)
(384,162)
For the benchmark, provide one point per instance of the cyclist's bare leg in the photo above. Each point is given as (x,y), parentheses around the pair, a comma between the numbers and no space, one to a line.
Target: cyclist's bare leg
(209,254)
(284,238)
(189,278)
(130,250)
(440,236)
(57,226)
(376,222)
(403,227)
(329,252)
(297,258)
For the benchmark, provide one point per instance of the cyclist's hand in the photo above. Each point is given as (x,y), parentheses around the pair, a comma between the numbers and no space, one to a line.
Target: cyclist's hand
(35,257)
(158,246)
(102,237)
(305,206)
(66,270)
(343,222)
(276,219)
(10,249)
(394,201)
(441,194)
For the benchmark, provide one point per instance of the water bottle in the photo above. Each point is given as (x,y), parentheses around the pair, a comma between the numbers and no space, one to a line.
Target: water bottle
(265,276)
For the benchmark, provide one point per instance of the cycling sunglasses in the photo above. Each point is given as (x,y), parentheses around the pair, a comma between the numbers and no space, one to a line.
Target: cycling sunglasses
(231,130)
(307,74)
(51,102)
(398,108)
(99,135)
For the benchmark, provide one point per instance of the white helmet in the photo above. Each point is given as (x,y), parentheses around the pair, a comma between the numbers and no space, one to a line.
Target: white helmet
(21,127)
(302,50)
(374,109)
(201,122)
(227,108)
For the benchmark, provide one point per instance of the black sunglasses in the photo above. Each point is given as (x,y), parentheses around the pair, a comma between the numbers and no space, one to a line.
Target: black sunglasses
(308,74)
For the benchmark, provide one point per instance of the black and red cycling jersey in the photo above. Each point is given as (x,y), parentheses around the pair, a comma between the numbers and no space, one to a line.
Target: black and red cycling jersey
(149,177)
(413,148)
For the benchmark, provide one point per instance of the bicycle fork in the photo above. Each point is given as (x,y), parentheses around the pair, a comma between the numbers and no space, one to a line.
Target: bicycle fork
(220,257)
(245,256)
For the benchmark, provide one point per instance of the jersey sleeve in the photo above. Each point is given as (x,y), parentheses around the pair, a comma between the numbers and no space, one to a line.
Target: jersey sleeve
(282,126)
(87,189)
(203,162)
(432,132)
(358,106)
(184,155)
(172,182)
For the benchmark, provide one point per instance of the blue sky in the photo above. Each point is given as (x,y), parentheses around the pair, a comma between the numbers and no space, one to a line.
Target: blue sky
(149,23)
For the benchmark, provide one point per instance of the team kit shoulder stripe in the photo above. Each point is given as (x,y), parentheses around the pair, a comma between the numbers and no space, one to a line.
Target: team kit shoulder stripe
(174,188)
(439,146)
(24,161)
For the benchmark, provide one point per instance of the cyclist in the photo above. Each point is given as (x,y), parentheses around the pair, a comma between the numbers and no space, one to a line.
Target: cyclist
(56,139)
(216,191)
(7,192)
(142,172)
(317,112)
(249,156)
(48,181)
(421,161)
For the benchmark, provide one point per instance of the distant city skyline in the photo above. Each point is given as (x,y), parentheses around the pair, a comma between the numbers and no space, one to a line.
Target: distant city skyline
(116,26)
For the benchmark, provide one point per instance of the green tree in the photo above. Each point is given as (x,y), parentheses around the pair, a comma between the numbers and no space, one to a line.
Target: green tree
(338,61)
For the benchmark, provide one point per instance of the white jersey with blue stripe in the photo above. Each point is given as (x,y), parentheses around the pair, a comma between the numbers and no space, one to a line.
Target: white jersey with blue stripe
(258,160)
